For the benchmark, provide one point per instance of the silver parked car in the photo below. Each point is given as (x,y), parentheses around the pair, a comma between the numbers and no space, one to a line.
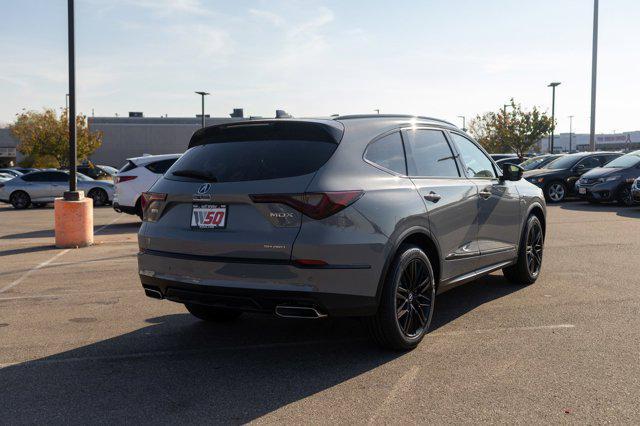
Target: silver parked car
(42,187)
(354,216)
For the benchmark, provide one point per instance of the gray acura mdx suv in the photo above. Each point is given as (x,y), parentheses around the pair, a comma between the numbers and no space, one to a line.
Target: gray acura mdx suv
(353,216)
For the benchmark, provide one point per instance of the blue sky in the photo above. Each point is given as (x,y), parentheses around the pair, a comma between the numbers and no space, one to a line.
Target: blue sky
(439,58)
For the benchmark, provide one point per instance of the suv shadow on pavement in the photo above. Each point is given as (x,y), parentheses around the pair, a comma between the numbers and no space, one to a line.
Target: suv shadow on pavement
(179,369)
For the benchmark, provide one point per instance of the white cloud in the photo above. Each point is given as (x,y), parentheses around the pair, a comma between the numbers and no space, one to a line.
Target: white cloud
(271,17)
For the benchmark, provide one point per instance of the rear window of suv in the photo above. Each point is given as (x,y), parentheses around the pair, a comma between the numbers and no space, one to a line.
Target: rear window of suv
(251,160)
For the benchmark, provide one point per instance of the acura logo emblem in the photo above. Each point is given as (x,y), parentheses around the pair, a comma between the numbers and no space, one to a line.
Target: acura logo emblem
(204,188)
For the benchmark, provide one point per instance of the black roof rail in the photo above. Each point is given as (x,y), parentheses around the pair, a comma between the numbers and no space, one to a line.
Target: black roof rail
(349,117)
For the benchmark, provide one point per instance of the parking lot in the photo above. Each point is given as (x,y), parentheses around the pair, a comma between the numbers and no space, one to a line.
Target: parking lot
(79,341)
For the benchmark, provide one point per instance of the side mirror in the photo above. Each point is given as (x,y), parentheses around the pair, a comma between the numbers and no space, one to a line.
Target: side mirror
(579,167)
(512,172)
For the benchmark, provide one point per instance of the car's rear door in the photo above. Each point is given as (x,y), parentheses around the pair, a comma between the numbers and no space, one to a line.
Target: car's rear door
(498,203)
(450,198)
(217,216)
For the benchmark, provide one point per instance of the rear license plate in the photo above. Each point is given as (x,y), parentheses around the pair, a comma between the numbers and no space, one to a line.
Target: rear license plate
(582,191)
(205,216)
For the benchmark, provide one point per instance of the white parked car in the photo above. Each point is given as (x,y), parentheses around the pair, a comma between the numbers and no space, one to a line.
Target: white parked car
(136,177)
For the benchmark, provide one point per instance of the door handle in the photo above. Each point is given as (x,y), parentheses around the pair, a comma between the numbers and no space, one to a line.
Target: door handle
(433,197)
(484,194)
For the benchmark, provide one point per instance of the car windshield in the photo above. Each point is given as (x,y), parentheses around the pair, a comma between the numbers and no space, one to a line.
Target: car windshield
(629,160)
(563,162)
(532,163)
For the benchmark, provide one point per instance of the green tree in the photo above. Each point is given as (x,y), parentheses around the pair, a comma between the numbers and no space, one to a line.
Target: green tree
(44,138)
(514,130)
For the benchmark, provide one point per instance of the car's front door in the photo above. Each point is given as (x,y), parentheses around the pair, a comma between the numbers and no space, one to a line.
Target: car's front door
(582,167)
(498,203)
(450,198)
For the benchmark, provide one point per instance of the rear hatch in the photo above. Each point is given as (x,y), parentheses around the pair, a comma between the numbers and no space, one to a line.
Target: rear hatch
(217,194)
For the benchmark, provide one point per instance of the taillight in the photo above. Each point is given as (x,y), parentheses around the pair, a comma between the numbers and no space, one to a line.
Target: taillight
(316,205)
(120,179)
(152,204)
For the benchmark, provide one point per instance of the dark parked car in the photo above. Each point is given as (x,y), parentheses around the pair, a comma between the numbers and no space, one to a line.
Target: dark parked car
(539,161)
(366,216)
(612,182)
(558,178)
(498,157)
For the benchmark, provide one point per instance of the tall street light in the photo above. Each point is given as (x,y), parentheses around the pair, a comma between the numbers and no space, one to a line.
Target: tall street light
(464,122)
(72,194)
(203,94)
(570,131)
(553,112)
(594,69)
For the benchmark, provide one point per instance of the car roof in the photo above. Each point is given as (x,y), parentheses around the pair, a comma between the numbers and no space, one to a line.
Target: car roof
(419,118)
(146,159)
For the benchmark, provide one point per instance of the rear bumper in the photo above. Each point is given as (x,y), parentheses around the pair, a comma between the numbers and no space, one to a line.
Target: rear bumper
(258,287)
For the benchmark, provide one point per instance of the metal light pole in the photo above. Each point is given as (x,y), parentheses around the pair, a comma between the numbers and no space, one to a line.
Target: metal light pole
(570,131)
(464,122)
(202,94)
(553,112)
(72,194)
(594,70)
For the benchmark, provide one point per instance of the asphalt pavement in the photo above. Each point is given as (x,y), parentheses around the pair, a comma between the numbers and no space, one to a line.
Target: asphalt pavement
(80,343)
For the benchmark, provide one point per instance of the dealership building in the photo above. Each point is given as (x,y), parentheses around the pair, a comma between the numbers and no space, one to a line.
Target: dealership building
(136,135)
(625,141)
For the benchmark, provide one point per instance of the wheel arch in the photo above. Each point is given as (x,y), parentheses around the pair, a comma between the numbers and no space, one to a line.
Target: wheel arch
(537,210)
(420,237)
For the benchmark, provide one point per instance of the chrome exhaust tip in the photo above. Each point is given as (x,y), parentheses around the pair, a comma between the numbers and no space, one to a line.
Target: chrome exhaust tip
(306,312)
(153,293)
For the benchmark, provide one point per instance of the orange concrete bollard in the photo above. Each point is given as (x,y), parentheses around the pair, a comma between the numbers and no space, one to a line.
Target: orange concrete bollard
(73,222)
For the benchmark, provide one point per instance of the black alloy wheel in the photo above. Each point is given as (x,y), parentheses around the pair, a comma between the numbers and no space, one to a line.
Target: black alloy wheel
(625,197)
(534,249)
(414,298)
(407,301)
(20,200)
(99,196)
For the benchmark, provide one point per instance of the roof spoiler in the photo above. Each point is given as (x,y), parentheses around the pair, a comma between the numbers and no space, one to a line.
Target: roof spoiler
(277,129)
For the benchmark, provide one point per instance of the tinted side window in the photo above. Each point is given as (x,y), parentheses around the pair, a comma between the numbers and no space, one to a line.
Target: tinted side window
(129,165)
(589,163)
(161,166)
(431,154)
(388,152)
(54,177)
(31,177)
(477,164)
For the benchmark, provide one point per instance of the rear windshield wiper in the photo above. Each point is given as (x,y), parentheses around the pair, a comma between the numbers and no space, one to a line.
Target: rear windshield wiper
(196,174)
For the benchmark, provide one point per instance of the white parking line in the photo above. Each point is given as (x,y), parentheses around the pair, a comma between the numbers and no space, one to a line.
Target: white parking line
(501,329)
(46,262)
(401,386)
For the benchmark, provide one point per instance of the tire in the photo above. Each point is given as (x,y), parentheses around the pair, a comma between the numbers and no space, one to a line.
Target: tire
(20,200)
(527,268)
(212,314)
(555,192)
(409,283)
(624,196)
(99,196)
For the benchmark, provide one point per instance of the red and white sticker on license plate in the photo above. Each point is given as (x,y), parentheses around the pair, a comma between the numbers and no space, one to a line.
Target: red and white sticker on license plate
(208,216)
